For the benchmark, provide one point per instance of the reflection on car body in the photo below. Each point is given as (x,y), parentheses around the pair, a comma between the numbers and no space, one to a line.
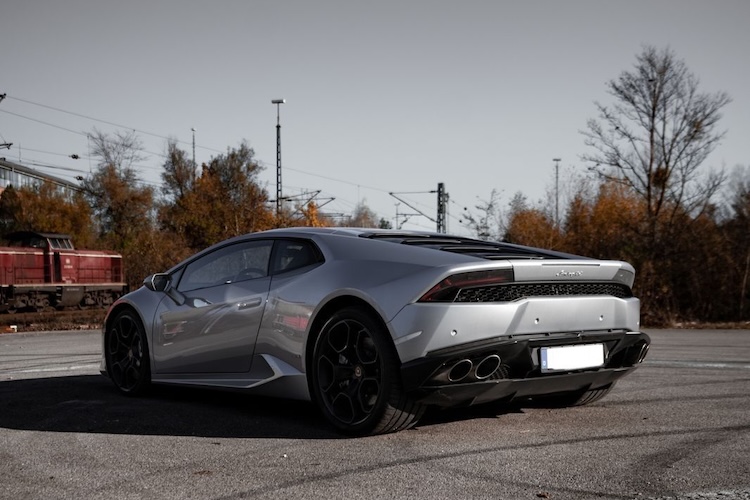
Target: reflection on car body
(376,325)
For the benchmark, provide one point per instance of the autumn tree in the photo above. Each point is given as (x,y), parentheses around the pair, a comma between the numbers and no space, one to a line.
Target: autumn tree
(531,226)
(122,206)
(178,177)
(735,227)
(11,211)
(311,216)
(46,208)
(225,200)
(704,274)
(600,226)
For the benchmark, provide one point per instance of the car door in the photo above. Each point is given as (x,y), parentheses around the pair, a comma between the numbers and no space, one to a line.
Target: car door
(214,328)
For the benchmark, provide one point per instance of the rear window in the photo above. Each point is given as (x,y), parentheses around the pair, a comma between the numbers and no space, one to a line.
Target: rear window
(489,250)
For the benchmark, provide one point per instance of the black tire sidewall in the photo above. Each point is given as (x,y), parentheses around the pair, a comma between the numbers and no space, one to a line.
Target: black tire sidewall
(145,379)
(388,366)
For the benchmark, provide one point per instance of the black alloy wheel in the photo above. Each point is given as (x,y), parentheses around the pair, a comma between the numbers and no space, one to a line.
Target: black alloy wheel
(126,353)
(355,379)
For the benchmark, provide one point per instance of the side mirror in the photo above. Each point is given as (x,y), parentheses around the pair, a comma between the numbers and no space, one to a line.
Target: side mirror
(158,282)
(162,282)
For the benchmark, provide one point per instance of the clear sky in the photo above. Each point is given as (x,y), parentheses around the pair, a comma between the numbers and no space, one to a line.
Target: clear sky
(383,96)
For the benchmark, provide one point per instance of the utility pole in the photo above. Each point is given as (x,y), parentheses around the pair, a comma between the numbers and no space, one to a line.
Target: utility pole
(557,191)
(278,103)
(442,199)
(193,129)
(4,144)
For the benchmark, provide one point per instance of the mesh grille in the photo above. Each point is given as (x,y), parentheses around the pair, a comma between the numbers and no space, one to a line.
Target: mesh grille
(508,293)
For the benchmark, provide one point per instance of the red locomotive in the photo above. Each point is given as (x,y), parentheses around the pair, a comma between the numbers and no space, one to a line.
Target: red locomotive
(43,270)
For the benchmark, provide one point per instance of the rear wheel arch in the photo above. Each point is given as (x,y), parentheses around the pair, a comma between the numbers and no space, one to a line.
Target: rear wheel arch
(328,310)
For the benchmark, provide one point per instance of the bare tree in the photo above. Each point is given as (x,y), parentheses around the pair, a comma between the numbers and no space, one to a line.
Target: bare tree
(487,223)
(363,216)
(656,135)
(120,205)
(653,140)
(121,150)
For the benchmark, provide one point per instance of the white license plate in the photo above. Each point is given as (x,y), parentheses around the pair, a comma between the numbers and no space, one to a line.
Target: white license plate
(571,357)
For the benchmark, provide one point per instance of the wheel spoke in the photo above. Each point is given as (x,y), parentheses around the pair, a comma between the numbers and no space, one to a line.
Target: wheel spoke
(367,394)
(126,353)
(365,349)
(348,371)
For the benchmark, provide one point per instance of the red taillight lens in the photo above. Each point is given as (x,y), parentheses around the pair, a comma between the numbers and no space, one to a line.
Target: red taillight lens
(446,290)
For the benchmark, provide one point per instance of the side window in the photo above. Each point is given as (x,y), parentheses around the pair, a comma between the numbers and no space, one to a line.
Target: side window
(294,254)
(237,262)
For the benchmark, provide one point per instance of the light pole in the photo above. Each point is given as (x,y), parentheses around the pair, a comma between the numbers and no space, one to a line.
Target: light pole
(557,190)
(193,129)
(278,103)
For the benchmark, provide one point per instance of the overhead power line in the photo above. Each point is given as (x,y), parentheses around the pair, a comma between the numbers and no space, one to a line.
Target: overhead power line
(106,122)
(84,134)
(152,134)
(114,124)
(44,123)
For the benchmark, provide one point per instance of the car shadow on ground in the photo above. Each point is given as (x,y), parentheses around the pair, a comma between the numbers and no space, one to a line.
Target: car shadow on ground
(91,404)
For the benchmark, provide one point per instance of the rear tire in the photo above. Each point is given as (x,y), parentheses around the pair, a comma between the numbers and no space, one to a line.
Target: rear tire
(574,399)
(592,396)
(354,376)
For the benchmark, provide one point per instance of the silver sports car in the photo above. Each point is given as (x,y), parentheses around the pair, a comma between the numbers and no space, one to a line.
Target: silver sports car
(376,325)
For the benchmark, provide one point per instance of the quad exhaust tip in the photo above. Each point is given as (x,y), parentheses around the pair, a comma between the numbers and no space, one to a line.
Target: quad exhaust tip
(460,370)
(487,367)
(465,368)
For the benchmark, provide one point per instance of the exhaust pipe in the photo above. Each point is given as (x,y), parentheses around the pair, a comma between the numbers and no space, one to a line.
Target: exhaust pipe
(487,367)
(642,354)
(460,370)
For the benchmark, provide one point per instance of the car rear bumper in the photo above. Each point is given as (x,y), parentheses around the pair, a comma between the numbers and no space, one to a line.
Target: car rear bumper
(511,368)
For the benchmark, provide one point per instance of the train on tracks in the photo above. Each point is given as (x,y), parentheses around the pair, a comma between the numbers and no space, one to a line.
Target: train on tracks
(41,271)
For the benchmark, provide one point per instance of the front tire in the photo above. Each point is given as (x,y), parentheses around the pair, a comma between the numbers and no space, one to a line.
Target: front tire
(126,354)
(354,376)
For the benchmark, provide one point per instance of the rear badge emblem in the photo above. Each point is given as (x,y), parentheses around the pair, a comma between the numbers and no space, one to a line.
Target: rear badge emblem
(569,274)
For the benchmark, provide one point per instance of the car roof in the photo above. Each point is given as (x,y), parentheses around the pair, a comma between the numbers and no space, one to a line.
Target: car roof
(491,250)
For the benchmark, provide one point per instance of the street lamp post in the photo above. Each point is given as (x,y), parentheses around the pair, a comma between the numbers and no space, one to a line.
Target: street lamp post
(557,190)
(193,129)
(278,103)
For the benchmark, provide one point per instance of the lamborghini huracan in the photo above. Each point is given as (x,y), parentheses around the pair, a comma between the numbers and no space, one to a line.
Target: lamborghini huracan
(374,326)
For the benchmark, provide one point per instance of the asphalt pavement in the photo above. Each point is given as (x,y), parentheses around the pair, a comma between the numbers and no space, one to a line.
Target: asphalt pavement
(676,428)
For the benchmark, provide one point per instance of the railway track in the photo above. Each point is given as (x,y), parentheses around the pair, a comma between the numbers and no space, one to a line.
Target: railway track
(68,319)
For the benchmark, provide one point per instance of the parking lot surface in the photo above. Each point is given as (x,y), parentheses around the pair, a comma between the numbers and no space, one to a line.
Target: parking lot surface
(677,428)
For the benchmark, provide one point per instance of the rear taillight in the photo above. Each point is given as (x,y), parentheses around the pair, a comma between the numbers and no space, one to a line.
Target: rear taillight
(446,290)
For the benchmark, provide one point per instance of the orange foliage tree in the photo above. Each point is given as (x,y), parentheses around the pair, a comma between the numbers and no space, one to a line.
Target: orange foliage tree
(225,200)
(45,208)
(604,227)
(531,226)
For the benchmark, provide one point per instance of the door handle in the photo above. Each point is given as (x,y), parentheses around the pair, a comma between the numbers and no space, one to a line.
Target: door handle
(249,304)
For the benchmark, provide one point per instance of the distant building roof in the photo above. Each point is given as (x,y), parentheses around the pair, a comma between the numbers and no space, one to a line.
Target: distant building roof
(31,173)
